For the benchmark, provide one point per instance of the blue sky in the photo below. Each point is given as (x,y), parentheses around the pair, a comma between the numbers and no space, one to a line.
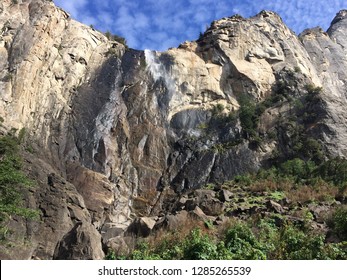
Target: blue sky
(160,24)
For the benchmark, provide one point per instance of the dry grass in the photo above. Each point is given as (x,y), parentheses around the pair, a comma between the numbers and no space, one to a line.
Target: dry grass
(176,236)
(307,193)
(224,227)
(319,191)
(264,185)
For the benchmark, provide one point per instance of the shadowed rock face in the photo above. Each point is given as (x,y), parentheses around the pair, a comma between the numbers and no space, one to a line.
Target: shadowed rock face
(122,128)
(327,51)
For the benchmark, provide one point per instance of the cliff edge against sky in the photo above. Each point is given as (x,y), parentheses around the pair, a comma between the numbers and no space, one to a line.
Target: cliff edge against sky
(116,136)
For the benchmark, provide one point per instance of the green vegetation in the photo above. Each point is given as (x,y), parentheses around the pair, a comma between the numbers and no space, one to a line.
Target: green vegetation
(12,181)
(340,222)
(334,171)
(278,234)
(220,121)
(248,117)
(217,109)
(323,181)
(241,242)
(114,37)
(291,210)
(297,69)
(143,63)
(292,132)
(258,239)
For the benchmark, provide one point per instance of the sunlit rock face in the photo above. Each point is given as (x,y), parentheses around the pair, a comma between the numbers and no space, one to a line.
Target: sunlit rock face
(122,129)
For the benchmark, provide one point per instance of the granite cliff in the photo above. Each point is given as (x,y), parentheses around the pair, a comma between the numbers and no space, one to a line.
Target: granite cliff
(117,135)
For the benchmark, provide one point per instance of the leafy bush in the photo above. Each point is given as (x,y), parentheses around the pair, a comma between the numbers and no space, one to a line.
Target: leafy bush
(12,181)
(295,244)
(297,69)
(312,92)
(248,116)
(290,242)
(242,243)
(312,150)
(217,109)
(243,179)
(116,38)
(261,239)
(297,168)
(144,252)
(334,170)
(198,246)
(340,222)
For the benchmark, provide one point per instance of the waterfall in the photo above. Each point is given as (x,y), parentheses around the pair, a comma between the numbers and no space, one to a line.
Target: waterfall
(158,70)
(153,65)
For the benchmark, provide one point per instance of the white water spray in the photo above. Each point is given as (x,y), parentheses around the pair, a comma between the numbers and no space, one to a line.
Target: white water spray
(158,70)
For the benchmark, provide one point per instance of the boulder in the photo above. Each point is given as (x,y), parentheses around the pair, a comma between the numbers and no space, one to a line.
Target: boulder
(82,242)
(142,226)
(197,213)
(120,245)
(274,206)
(320,212)
(225,195)
(173,221)
(213,207)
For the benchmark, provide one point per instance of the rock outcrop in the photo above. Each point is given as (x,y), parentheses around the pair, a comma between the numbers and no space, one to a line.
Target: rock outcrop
(126,132)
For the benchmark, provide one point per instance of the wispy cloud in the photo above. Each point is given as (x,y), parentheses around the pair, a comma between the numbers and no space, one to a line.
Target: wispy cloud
(160,24)
(73,7)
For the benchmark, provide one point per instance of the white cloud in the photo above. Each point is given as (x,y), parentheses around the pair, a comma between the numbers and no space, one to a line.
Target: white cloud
(72,7)
(156,24)
(141,21)
(202,15)
(124,19)
(106,18)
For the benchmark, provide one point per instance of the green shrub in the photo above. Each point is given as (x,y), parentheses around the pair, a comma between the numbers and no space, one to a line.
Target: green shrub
(297,69)
(337,251)
(144,252)
(242,243)
(334,171)
(340,222)
(295,244)
(261,239)
(297,168)
(116,38)
(243,179)
(290,242)
(248,117)
(12,181)
(312,150)
(198,246)
(312,92)
(217,109)
(111,255)
(194,246)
